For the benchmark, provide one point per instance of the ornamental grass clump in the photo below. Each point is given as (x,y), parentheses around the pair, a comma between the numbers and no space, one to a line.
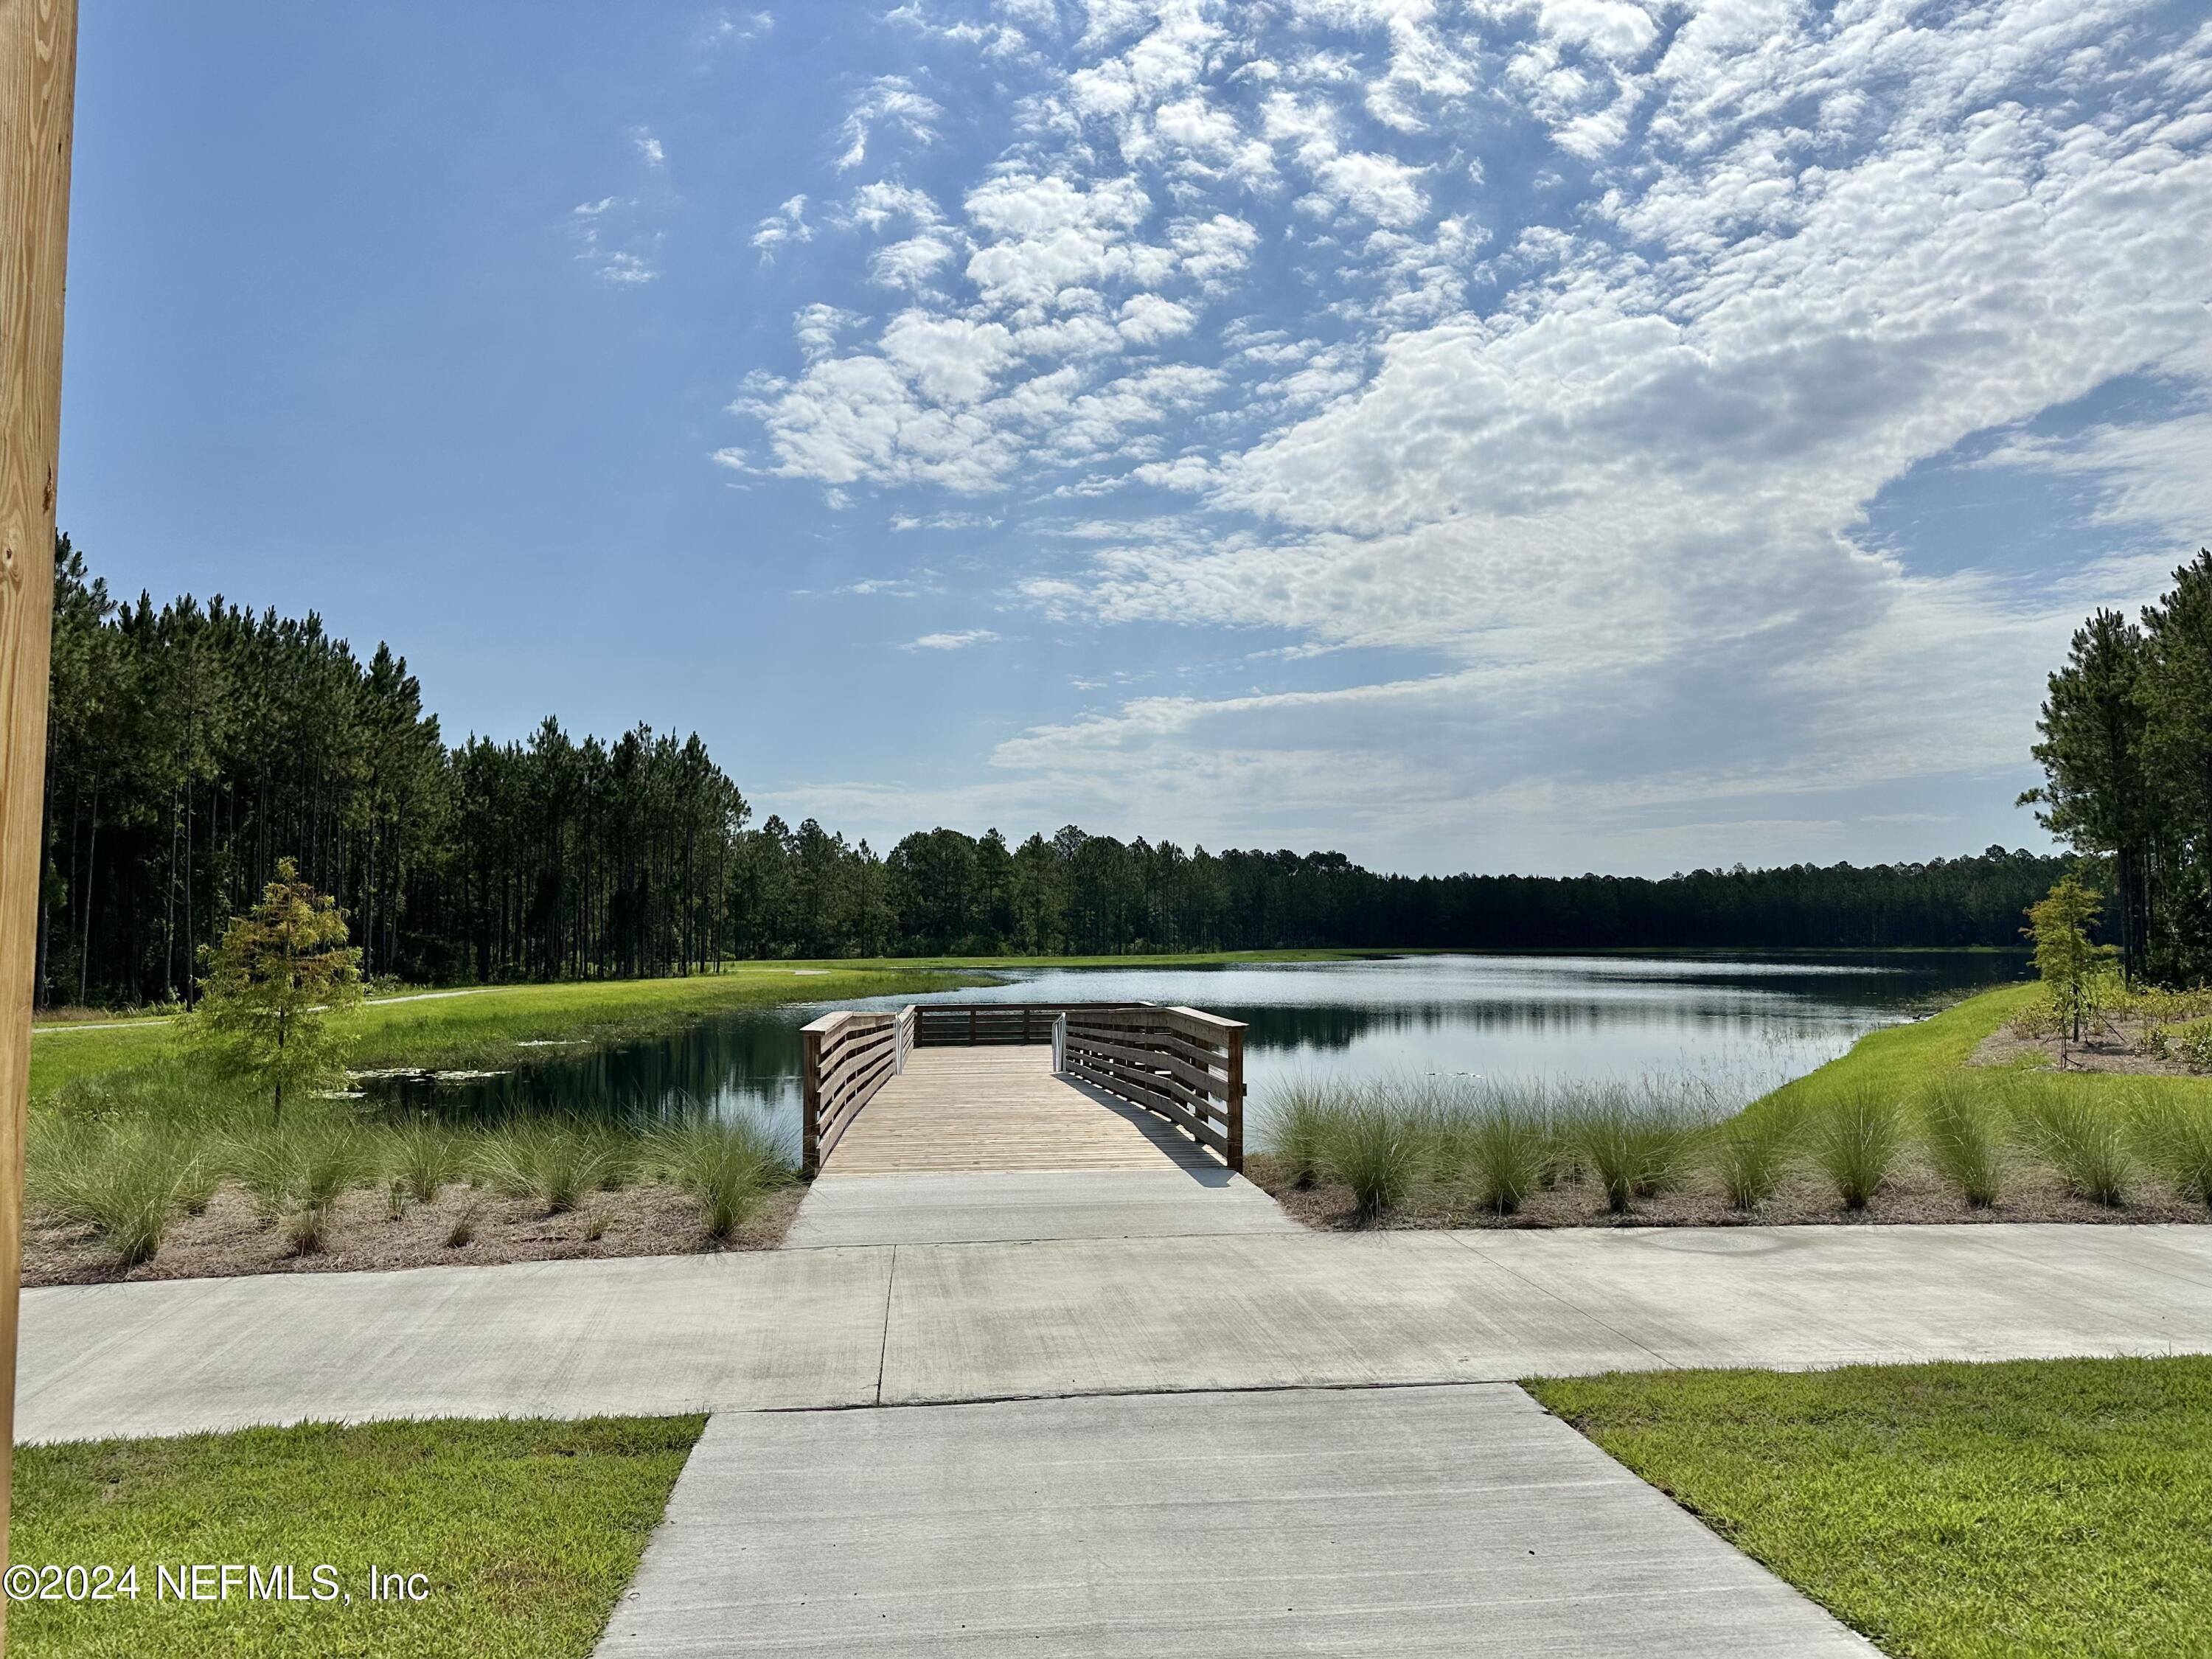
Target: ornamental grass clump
(727,1164)
(422,1156)
(127,1183)
(2174,1137)
(1300,1116)
(1855,1139)
(1963,1130)
(2084,1139)
(1748,1155)
(1633,1143)
(1374,1148)
(1507,1146)
(555,1164)
(299,1171)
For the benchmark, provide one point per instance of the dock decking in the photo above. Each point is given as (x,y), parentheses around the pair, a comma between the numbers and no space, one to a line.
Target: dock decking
(1001,1110)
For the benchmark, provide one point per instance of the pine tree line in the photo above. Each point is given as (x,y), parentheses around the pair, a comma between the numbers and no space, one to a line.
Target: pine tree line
(192,746)
(2127,748)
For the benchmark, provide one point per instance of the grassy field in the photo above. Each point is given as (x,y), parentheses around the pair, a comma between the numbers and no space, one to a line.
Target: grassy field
(1903,1060)
(526,1534)
(476,1028)
(2049,1507)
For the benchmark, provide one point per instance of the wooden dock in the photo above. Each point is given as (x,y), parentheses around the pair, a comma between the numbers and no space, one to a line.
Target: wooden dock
(998,1088)
(982,1110)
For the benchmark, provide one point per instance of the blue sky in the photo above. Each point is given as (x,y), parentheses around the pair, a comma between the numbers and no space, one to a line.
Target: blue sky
(1540,435)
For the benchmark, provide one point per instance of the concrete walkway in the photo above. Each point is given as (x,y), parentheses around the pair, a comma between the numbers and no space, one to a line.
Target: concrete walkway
(1459,1520)
(1166,1202)
(943,1323)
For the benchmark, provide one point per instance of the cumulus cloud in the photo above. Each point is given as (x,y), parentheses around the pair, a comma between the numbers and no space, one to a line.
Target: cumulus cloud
(1559,353)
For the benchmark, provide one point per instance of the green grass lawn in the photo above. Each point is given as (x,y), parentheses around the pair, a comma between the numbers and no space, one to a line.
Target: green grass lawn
(525,1532)
(1900,1059)
(481,1027)
(2047,1507)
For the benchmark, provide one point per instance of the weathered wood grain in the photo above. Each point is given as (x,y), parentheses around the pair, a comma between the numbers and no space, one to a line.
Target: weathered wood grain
(38,86)
(1000,1108)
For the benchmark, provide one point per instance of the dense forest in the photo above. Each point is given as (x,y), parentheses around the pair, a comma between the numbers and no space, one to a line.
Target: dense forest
(193,745)
(2127,748)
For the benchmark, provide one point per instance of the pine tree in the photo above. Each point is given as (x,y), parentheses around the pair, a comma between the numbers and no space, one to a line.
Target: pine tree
(279,989)
(2070,963)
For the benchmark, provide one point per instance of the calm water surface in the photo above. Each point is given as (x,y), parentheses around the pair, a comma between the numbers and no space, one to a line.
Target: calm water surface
(1744,1023)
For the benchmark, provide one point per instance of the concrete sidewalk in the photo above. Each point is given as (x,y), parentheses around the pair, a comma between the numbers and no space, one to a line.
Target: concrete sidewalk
(922,1322)
(1460,1521)
(1168,1202)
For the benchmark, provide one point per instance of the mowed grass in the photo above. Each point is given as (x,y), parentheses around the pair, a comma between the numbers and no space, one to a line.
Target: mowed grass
(481,1027)
(527,1533)
(1900,1059)
(1955,1511)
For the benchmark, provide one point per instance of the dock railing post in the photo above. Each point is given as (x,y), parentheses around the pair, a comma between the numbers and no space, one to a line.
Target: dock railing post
(810,1097)
(1058,1043)
(1235,1104)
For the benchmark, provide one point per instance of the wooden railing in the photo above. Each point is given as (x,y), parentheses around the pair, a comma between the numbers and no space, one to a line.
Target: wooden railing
(977,1024)
(1184,1065)
(845,1058)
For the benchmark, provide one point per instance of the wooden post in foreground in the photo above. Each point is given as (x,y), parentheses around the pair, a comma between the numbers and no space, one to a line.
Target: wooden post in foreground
(38,90)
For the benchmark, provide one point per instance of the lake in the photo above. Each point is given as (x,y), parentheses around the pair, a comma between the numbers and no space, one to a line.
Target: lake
(1743,1024)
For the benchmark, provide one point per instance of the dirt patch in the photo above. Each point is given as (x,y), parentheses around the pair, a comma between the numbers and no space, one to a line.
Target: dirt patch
(1913,1194)
(229,1237)
(2111,1049)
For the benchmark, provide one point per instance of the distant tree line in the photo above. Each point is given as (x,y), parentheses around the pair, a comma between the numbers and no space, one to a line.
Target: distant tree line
(2127,751)
(191,747)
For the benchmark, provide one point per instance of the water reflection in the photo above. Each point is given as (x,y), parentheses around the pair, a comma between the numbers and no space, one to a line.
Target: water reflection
(1742,1023)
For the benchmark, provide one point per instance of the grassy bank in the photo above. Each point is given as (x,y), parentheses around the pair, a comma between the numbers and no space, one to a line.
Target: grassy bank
(1899,1129)
(479,1028)
(1953,1511)
(525,1534)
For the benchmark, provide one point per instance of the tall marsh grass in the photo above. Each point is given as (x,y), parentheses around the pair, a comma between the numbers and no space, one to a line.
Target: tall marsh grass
(2174,1137)
(1962,1128)
(1855,1139)
(1375,1148)
(1508,1147)
(2087,1140)
(423,1155)
(726,1164)
(1634,1142)
(555,1163)
(126,1181)
(1300,1115)
(1749,1154)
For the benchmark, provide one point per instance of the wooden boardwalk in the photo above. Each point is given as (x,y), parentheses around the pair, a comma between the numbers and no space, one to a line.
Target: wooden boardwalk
(961,1110)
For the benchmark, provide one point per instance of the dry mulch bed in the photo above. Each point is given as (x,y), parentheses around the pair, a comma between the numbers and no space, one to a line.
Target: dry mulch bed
(229,1236)
(1913,1194)
(2106,1050)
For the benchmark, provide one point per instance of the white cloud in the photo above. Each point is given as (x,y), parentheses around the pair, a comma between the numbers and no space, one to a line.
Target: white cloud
(889,102)
(649,147)
(1147,319)
(954,642)
(610,241)
(1588,422)
(725,29)
(785,225)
